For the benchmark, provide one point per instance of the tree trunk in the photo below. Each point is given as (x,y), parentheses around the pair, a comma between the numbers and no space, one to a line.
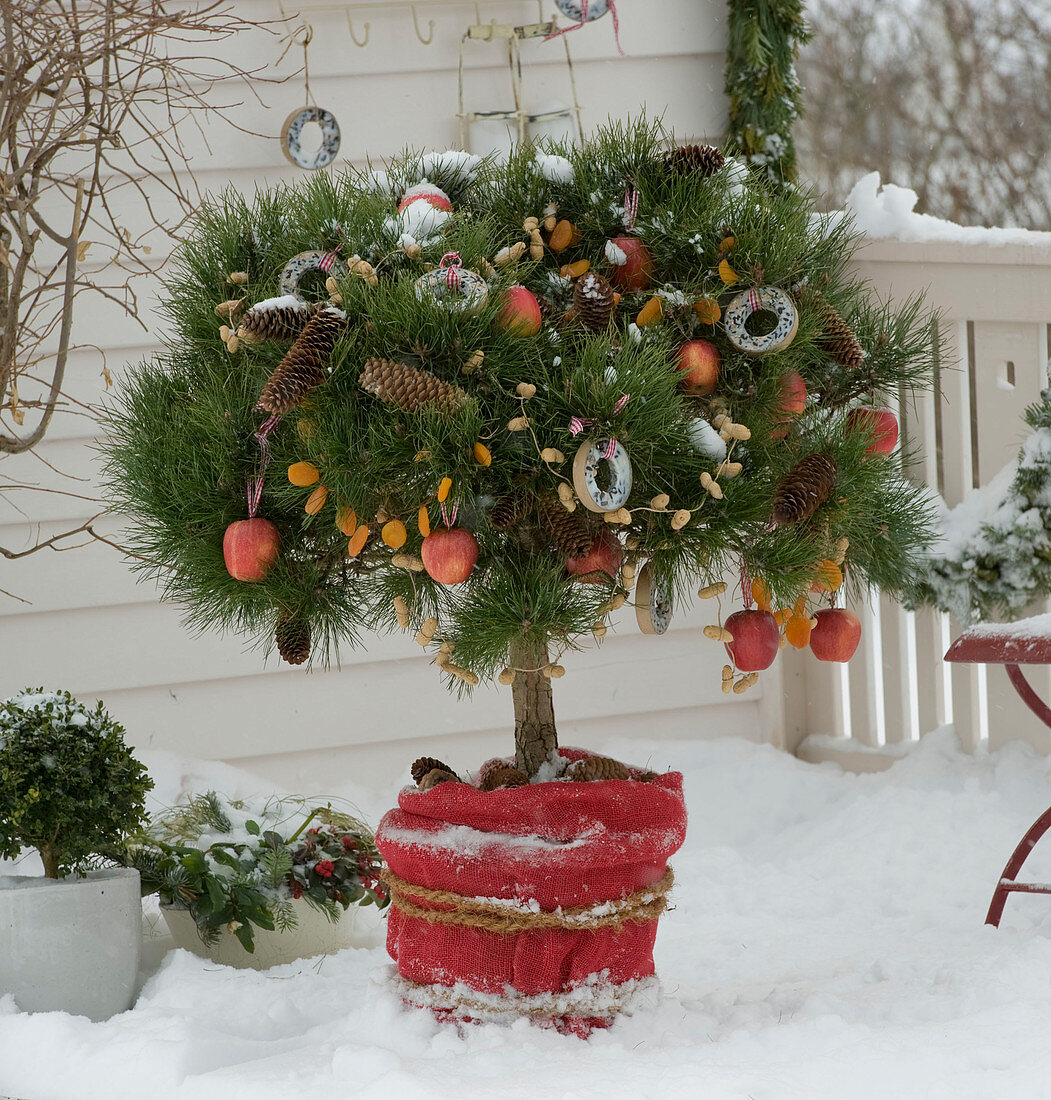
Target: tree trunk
(535,736)
(49,858)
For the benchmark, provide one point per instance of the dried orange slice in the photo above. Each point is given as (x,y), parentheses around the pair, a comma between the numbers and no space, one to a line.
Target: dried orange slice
(708,310)
(346,520)
(303,474)
(797,631)
(651,312)
(394,534)
(358,540)
(316,501)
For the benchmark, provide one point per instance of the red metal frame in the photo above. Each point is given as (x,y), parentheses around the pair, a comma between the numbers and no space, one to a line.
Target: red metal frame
(1008,647)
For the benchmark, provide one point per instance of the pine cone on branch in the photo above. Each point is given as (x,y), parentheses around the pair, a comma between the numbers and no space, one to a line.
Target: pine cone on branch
(293,640)
(509,509)
(804,488)
(837,339)
(593,302)
(701,160)
(274,322)
(566,531)
(305,365)
(409,388)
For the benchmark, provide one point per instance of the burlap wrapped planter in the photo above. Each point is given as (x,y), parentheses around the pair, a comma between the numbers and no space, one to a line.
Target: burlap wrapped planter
(539,901)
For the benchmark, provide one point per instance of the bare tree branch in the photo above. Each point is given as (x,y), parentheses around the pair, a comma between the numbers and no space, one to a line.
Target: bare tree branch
(92,99)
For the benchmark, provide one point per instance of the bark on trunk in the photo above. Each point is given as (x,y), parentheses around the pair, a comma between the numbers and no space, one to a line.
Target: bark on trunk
(49,858)
(535,736)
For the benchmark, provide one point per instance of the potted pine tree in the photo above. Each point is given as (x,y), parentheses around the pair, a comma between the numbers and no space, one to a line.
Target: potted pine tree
(492,404)
(69,787)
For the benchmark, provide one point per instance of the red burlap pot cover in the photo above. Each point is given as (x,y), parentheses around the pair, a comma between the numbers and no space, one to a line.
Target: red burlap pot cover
(548,845)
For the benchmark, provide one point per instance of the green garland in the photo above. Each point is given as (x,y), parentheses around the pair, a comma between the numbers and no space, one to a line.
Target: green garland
(761,83)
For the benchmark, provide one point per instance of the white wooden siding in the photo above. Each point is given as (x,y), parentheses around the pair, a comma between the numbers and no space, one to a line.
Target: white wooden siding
(995,306)
(87,626)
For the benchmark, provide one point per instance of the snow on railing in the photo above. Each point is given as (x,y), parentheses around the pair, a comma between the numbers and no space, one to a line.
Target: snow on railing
(992,289)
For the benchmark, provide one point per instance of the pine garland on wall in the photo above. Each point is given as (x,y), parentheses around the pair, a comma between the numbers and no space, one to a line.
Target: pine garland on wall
(765,95)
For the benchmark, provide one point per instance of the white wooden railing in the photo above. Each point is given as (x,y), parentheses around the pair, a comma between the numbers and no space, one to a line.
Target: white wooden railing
(995,303)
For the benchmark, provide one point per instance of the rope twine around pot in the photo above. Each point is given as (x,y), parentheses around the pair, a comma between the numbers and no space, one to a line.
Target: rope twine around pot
(507,918)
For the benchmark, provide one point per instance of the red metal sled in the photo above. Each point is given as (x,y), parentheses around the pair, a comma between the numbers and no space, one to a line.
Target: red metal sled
(1006,646)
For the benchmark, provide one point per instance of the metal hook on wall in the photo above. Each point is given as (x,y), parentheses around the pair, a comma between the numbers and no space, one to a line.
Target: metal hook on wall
(419,34)
(354,38)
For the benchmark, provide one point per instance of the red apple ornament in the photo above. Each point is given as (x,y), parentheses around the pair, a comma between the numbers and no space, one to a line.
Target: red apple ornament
(250,548)
(755,639)
(449,554)
(699,367)
(605,556)
(880,424)
(520,312)
(637,270)
(836,635)
(792,401)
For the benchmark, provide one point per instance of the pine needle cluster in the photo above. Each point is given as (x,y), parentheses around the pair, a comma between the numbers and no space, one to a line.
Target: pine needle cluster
(182,448)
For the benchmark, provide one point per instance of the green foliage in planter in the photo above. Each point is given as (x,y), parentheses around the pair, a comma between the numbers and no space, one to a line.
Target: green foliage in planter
(238,866)
(69,787)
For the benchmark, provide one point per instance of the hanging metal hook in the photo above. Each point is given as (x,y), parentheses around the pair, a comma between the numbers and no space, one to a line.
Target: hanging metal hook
(354,38)
(430,26)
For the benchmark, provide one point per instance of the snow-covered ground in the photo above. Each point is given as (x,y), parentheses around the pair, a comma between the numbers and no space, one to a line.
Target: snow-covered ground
(826,941)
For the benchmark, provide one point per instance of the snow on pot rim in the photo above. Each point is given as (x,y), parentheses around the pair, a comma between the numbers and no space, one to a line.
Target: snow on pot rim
(568,826)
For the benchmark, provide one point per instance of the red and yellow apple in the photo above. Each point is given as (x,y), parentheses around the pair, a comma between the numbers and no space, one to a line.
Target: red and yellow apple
(520,312)
(880,424)
(250,548)
(836,634)
(637,270)
(755,639)
(605,556)
(698,367)
(449,554)
(791,401)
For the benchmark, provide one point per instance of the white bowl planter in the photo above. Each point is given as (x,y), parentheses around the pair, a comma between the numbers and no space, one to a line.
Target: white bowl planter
(73,944)
(313,935)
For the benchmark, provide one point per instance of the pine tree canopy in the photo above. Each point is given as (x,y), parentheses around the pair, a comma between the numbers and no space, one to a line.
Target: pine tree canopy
(395,394)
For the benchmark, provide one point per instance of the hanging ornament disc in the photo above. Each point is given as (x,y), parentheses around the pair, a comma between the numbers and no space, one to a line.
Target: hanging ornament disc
(654,602)
(456,288)
(303,262)
(583,11)
(292,138)
(761,299)
(589,460)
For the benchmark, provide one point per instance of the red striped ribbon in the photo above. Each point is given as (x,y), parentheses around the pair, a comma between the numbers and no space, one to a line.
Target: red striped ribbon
(631,207)
(326,261)
(753,299)
(578,423)
(452,272)
(255,484)
(584,19)
(448,519)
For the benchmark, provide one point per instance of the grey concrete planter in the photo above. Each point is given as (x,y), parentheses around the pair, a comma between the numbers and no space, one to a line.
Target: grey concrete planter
(71,945)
